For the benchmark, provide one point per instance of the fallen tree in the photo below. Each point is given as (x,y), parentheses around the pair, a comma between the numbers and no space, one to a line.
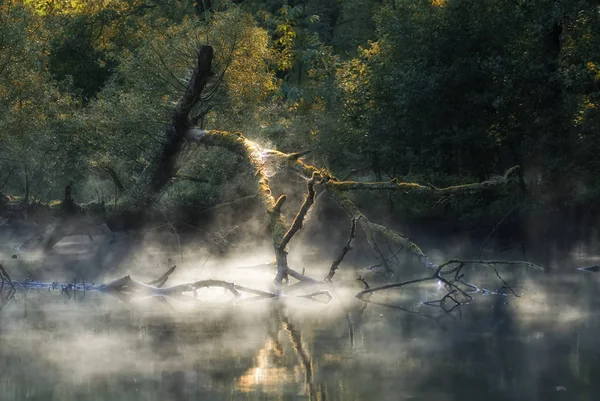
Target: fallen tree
(265,163)
(259,157)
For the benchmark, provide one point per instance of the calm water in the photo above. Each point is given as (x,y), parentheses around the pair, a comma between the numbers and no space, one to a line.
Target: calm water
(542,346)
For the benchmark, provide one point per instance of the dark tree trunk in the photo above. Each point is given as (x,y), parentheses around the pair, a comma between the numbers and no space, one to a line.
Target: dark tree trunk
(163,167)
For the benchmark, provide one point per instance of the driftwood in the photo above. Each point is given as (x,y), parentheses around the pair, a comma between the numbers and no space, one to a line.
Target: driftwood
(458,291)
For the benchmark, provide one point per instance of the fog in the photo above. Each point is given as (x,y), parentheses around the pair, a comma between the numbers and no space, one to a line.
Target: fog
(539,346)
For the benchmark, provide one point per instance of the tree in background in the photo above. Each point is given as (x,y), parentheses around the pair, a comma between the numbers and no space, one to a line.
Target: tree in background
(440,90)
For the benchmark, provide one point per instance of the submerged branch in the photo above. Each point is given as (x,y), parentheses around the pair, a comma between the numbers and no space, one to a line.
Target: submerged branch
(126,289)
(451,285)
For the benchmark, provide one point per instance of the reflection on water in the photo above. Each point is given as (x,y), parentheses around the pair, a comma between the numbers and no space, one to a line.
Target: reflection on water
(542,346)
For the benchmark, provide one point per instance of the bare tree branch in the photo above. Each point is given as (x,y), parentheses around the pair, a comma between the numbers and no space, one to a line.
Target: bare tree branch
(451,285)
(336,263)
(299,219)
(512,209)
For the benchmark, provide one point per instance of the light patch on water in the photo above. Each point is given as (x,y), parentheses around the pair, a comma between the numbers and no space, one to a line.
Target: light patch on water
(266,375)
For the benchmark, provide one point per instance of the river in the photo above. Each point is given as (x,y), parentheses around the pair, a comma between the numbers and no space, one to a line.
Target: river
(540,346)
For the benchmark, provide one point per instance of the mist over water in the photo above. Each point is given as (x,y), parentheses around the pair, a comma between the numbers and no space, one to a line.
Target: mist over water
(541,346)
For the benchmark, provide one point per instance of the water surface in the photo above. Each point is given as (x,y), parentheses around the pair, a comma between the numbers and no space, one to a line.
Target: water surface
(541,346)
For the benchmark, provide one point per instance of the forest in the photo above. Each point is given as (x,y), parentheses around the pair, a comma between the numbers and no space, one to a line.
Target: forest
(432,92)
(450,146)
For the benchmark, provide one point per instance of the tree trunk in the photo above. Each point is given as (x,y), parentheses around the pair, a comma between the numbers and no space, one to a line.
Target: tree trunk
(163,167)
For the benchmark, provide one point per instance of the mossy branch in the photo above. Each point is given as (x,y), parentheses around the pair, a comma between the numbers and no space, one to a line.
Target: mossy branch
(411,187)
(372,230)
(257,156)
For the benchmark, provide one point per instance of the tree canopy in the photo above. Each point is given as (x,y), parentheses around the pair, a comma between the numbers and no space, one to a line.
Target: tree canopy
(442,91)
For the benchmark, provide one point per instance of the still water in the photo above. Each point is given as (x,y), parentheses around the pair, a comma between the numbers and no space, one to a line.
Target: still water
(541,346)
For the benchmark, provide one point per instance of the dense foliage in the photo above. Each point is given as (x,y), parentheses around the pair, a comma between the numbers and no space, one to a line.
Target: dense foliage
(439,91)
